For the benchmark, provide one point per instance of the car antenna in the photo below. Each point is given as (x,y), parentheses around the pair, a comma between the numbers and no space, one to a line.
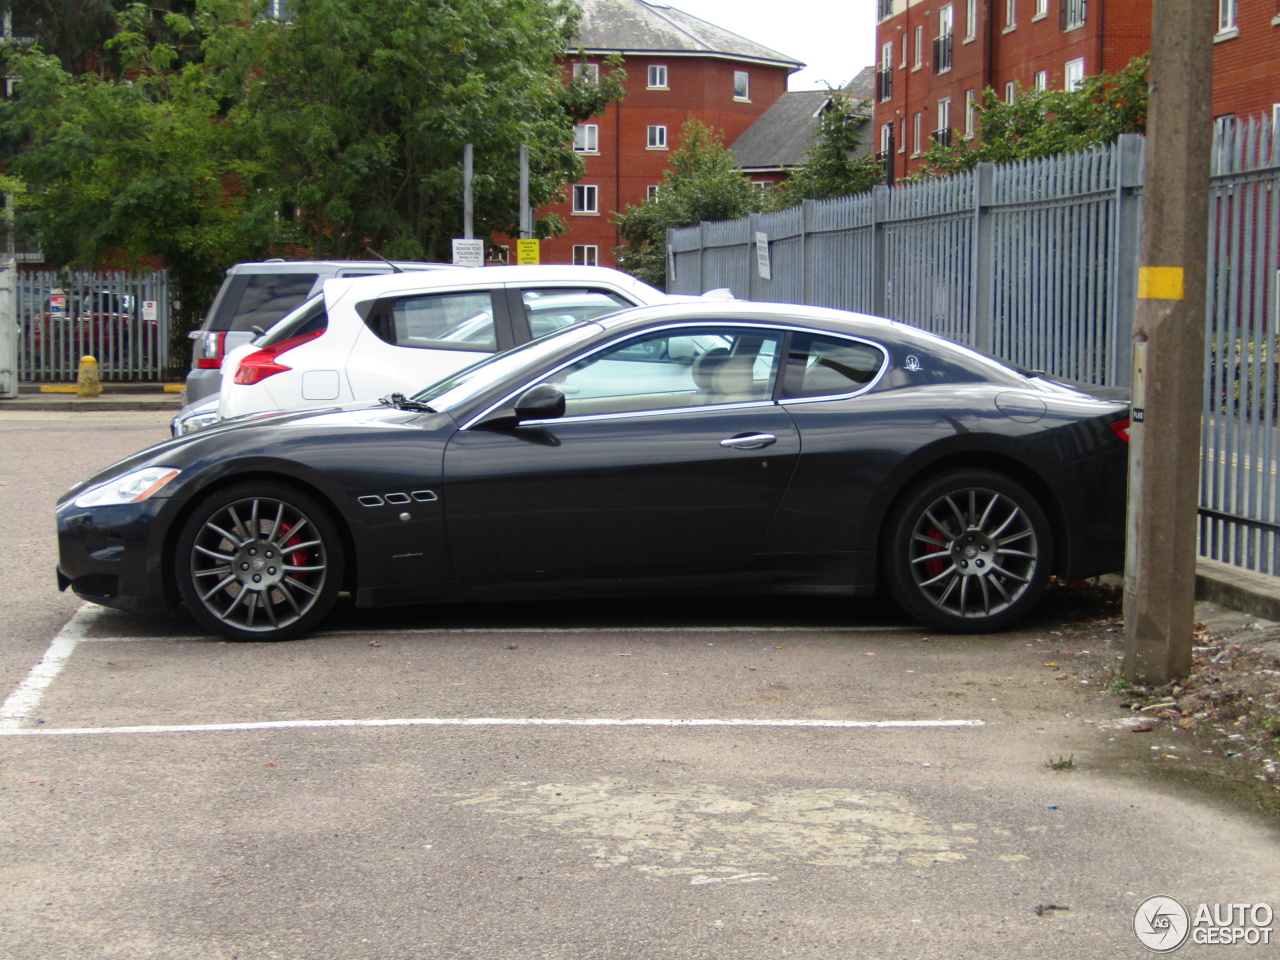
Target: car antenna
(395,268)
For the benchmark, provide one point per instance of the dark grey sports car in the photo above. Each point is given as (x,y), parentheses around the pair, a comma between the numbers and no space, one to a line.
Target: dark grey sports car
(713,446)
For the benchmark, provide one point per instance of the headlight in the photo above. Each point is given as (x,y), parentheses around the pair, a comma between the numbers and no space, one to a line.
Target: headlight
(131,487)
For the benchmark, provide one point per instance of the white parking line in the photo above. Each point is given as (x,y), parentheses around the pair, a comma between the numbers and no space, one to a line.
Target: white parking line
(24,700)
(491,722)
(16,715)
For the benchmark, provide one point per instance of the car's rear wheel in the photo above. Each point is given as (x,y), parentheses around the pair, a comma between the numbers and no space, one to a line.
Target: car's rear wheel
(259,561)
(968,551)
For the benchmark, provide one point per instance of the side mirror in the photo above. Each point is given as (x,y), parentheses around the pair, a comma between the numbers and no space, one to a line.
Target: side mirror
(545,401)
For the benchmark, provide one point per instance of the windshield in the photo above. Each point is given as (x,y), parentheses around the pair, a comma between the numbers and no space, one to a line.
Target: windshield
(470,382)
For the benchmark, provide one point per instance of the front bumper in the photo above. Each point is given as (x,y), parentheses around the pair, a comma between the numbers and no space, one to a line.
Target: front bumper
(116,555)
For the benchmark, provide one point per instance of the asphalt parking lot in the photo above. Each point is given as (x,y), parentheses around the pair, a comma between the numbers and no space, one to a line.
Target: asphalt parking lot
(705,778)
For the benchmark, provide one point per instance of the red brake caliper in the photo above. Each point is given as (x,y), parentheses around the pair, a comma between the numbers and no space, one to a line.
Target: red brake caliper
(933,568)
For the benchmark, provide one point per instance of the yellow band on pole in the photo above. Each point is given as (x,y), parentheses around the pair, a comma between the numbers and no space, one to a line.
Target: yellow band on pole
(1160,283)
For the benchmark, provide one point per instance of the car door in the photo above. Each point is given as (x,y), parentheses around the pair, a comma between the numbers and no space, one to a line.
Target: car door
(671,458)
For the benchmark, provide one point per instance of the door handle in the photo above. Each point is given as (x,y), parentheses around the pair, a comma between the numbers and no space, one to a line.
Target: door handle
(749,441)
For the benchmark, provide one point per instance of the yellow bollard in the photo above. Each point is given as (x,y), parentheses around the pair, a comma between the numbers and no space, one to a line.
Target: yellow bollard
(89,384)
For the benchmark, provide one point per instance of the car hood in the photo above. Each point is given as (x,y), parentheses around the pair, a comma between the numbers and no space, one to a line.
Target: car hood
(265,435)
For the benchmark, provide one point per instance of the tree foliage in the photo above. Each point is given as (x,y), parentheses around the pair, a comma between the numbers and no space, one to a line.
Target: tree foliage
(78,33)
(701,183)
(367,108)
(1046,122)
(134,170)
(833,167)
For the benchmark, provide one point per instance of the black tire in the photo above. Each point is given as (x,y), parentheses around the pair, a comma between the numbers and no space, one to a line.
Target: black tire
(968,552)
(259,561)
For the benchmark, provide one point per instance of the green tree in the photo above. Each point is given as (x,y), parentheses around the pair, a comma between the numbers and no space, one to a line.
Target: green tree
(134,171)
(1046,122)
(78,33)
(833,167)
(366,109)
(701,183)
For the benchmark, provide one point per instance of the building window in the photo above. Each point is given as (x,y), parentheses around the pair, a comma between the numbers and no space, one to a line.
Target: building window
(280,10)
(1227,16)
(651,191)
(884,76)
(585,254)
(657,76)
(1042,80)
(657,137)
(586,198)
(919,61)
(970,19)
(916,143)
(1010,14)
(498,253)
(741,85)
(590,72)
(1011,91)
(942,135)
(764,186)
(884,9)
(942,43)
(1072,14)
(1042,10)
(586,138)
(1073,74)
(970,112)
(886,138)
(905,44)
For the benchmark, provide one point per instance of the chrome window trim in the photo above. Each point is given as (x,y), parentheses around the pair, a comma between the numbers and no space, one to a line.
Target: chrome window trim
(633,414)
(782,330)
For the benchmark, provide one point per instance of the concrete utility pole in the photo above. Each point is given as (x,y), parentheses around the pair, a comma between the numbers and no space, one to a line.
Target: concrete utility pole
(1168,333)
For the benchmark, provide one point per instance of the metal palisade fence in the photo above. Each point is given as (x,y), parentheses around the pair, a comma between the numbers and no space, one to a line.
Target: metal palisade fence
(121,319)
(1037,262)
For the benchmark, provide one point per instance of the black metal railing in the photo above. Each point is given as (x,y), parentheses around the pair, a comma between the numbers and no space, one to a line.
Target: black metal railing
(884,84)
(942,53)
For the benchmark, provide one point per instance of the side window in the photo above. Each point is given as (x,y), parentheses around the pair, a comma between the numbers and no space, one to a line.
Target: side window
(457,321)
(269,296)
(819,366)
(307,319)
(550,308)
(672,370)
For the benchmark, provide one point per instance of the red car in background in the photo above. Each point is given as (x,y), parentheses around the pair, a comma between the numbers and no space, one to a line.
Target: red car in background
(103,324)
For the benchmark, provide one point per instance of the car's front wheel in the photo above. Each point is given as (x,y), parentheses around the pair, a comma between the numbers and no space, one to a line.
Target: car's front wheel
(259,561)
(968,551)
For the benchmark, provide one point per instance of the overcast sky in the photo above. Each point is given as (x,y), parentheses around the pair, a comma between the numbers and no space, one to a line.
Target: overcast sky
(836,38)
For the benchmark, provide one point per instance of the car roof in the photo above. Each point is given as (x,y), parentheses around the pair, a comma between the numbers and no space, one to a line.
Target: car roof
(790,314)
(384,284)
(328,266)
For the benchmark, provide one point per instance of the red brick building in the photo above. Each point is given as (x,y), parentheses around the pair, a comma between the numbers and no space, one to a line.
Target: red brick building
(935,57)
(677,67)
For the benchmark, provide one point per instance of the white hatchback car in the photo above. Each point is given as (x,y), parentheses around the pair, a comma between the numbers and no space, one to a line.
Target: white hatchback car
(367,337)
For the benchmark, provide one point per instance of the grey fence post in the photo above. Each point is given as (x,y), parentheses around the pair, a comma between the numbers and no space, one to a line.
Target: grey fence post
(806,259)
(983,322)
(753,273)
(8,330)
(702,257)
(879,251)
(1128,219)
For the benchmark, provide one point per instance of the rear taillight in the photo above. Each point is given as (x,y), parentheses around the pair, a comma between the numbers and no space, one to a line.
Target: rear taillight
(1121,429)
(263,363)
(215,346)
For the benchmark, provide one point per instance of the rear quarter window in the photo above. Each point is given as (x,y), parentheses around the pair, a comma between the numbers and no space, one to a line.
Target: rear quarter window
(263,299)
(819,366)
